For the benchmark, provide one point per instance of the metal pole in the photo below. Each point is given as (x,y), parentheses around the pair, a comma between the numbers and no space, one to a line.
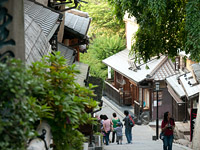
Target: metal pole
(157,117)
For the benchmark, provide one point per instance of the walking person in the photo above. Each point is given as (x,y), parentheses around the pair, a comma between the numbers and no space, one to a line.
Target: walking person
(167,128)
(118,131)
(107,123)
(101,126)
(128,126)
(115,120)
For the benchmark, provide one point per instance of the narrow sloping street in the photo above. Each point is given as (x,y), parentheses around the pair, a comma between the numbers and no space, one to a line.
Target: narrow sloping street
(142,134)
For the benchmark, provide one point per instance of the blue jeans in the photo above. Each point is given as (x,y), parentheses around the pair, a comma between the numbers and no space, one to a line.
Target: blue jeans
(167,142)
(128,133)
(107,137)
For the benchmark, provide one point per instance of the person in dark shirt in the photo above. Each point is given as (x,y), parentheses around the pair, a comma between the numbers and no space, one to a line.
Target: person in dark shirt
(128,128)
(167,128)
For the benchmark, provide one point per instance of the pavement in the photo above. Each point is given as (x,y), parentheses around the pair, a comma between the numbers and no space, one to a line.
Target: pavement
(142,134)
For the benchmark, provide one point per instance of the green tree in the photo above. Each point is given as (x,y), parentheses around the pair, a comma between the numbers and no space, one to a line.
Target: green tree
(103,19)
(165,26)
(101,48)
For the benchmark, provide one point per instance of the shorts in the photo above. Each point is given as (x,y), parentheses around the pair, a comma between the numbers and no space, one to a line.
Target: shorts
(119,138)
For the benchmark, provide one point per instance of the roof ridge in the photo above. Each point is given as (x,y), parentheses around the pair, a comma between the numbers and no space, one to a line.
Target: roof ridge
(159,65)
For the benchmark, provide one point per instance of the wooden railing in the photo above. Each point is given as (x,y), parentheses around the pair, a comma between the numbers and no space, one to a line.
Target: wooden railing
(112,93)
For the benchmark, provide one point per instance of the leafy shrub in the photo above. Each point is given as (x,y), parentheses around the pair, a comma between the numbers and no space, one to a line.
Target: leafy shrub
(67,100)
(45,91)
(18,109)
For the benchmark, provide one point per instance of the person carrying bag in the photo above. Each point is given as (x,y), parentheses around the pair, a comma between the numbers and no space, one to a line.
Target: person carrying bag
(167,128)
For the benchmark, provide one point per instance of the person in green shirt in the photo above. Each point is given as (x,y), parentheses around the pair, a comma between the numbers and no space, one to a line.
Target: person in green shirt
(115,120)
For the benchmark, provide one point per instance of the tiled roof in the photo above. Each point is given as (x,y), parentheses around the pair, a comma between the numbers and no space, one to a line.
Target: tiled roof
(84,70)
(196,70)
(164,71)
(67,52)
(172,81)
(44,17)
(189,85)
(77,24)
(36,43)
(158,68)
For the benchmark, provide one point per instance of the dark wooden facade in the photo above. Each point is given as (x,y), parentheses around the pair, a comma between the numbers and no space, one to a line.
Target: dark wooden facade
(143,93)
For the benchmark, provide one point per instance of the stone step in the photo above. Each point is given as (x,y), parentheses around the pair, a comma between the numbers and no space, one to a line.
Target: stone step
(185,132)
(187,137)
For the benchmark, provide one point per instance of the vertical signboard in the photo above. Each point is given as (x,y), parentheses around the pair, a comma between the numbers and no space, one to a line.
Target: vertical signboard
(12,29)
(193,116)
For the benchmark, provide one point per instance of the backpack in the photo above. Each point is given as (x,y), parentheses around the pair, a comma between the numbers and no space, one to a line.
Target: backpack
(131,121)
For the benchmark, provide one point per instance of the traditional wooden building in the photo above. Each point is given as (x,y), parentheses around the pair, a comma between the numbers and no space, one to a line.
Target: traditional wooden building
(135,84)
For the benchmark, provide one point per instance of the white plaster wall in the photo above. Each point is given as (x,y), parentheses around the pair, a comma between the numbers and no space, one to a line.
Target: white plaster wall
(131,28)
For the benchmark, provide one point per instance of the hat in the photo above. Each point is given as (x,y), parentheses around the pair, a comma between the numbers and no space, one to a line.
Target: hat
(119,124)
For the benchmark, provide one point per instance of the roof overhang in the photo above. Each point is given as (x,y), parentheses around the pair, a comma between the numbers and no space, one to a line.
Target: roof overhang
(67,52)
(189,85)
(121,64)
(76,25)
(48,19)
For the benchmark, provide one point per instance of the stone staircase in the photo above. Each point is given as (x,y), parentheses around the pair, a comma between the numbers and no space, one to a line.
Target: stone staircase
(182,130)
(182,133)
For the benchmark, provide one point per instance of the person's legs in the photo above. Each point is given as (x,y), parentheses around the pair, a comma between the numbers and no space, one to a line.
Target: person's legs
(130,134)
(170,141)
(117,139)
(127,135)
(113,136)
(107,138)
(165,143)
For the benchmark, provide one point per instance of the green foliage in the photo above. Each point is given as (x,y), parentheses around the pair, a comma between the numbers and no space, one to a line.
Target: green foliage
(165,26)
(18,109)
(193,29)
(67,100)
(103,18)
(101,48)
(45,91)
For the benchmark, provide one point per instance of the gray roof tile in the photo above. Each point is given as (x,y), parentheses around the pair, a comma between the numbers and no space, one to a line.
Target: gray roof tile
(36,43)
(77,24)
(67,52)
(43,16)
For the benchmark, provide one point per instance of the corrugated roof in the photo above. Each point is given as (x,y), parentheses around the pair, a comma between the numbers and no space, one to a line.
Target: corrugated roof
(187,82)
(67,52)
(77,24)
(84,69)
(172,81)
(36,43)
(119,62)
(44,17)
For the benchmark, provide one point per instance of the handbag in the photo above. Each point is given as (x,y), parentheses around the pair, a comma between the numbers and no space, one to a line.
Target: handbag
(162,135)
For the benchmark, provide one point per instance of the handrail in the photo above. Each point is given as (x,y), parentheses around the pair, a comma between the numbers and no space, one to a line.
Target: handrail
(111,86)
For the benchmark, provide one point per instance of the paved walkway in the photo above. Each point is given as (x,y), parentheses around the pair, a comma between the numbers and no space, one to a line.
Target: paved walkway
(142,134)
